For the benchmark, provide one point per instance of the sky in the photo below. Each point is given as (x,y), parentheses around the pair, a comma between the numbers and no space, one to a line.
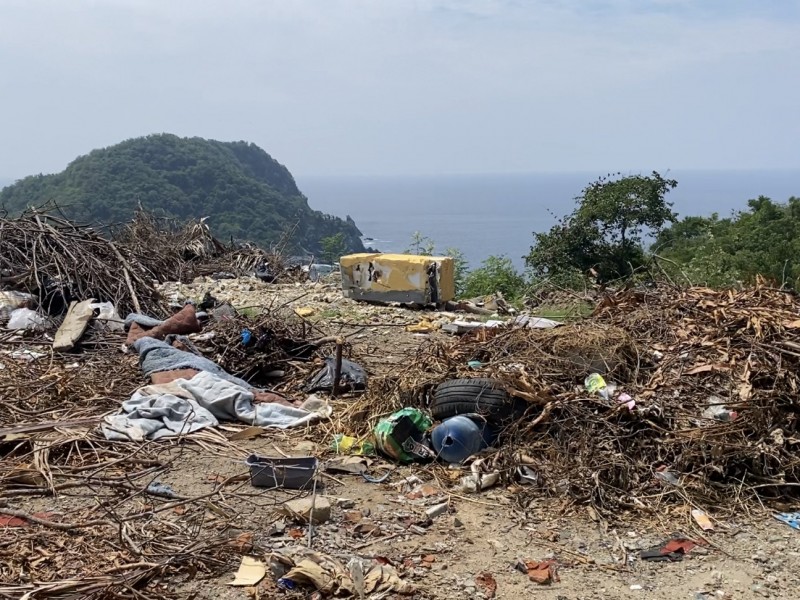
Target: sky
(409,87)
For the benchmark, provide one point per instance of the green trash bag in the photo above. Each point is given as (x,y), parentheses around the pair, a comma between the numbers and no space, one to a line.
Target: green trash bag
(400,436)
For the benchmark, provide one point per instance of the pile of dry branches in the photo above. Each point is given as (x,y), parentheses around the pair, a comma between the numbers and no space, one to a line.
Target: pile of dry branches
(57,261)
(676,352)
(181,252)
(275,345)
(81,516)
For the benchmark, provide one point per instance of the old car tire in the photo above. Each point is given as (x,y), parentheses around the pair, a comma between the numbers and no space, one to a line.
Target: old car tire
(480,395)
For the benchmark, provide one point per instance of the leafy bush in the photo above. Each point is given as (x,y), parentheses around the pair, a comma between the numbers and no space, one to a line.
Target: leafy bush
(496,274)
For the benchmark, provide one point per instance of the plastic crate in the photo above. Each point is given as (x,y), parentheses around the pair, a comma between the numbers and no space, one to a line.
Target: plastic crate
(294,473)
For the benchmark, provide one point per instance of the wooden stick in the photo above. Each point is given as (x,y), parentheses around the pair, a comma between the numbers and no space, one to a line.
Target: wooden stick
(125,267)
(337,367)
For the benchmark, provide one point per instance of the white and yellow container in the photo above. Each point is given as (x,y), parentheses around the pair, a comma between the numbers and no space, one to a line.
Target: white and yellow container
(405,278)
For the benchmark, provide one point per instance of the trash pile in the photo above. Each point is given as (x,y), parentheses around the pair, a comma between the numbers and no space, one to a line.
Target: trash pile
(106,388)
(662,394)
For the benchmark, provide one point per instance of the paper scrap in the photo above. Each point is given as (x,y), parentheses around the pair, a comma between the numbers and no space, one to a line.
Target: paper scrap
(250,572)
(702,520)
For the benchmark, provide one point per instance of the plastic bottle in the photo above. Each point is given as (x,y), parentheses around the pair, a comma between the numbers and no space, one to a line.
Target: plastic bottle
(720,413)
(458,438)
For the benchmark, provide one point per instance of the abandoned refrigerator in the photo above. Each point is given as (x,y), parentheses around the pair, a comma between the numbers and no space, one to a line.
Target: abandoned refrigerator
(404,278)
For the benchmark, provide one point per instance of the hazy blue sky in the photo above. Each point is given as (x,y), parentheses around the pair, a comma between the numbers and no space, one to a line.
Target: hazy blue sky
(409,86)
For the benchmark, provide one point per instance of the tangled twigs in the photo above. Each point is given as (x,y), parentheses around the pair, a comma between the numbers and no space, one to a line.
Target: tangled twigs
(7,510)
(57,261)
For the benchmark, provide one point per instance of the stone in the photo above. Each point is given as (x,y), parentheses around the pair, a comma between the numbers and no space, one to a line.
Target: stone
(301,510)
(437,510)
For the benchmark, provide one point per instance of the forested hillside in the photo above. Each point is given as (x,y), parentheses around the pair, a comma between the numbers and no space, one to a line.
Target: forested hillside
(244,192)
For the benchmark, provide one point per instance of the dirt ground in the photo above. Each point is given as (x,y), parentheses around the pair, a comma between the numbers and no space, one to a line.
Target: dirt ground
(745,556)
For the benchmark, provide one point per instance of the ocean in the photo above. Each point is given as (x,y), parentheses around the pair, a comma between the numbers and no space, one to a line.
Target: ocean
(497,214)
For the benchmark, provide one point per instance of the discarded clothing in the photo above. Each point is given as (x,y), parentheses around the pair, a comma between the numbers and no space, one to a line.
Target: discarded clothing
(156,356)
(187,405)
(181,323)
(141,320)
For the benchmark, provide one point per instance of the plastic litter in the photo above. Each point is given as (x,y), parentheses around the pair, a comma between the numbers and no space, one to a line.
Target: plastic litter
(702,519)
(458,438)
(595,384)
(670,551)
(718,412)
(294,473)
(477,482)
(11,300)
(107,315)
(531,322)
(791,519)
(161,489)
(25,318)
(626,400)
(667,477)
(400,435)
(353,376)
(346,444)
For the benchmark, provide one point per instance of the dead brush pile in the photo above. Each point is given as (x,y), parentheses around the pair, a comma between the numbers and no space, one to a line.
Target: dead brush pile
(56,261)
(675,352)
(106,532)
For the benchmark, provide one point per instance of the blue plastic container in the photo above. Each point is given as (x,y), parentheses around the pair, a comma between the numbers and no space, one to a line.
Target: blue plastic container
(458,438)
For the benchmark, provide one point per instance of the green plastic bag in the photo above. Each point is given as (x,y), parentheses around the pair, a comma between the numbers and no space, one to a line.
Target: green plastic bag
(400,435)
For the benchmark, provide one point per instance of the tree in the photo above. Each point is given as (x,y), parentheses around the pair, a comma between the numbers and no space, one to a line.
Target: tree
(333,248)
(605,231)
(421,245)
(242,190)
(762,240)
(496,274)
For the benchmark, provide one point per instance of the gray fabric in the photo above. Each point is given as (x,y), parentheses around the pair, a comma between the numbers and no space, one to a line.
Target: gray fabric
(143,320)
(156,356)
(184,406)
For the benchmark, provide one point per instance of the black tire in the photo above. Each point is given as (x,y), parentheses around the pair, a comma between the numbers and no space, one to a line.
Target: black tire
(483,396)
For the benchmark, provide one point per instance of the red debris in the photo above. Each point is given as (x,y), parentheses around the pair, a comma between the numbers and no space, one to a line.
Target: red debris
(487,584)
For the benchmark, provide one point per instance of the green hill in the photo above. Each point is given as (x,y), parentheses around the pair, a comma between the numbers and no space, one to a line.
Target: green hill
(244,192)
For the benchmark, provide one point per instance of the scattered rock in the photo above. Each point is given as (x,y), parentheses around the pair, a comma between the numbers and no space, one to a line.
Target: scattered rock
(300,510)
(437,510)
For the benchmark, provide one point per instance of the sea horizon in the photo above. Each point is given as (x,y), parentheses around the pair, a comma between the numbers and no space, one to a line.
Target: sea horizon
(484,214)
(496,214)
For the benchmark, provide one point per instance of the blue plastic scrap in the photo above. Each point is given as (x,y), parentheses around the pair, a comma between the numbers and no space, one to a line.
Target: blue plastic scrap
(286,584)
(791,519)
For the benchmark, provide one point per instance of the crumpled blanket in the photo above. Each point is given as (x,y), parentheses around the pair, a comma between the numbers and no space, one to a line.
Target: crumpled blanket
(187,405)
(156,356)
